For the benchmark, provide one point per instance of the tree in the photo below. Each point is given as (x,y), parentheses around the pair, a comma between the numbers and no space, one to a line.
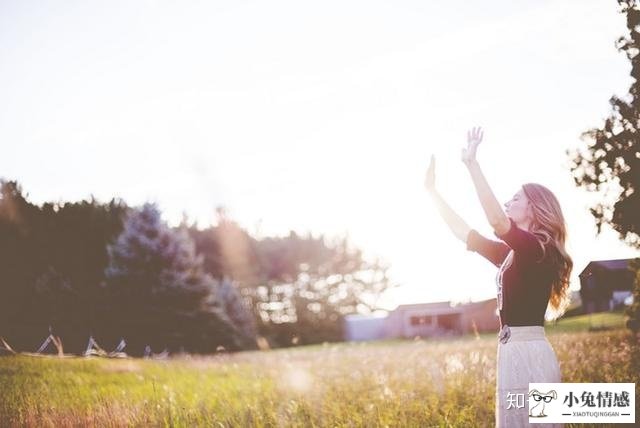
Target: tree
(158,291)
(20,265)
(72,238)
(633,322)
(311,287)
(52,260)
(298,287)
(238,310)
(610,162)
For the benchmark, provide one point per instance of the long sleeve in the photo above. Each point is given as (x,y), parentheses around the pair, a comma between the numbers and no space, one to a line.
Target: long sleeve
(494,251)
(524,244)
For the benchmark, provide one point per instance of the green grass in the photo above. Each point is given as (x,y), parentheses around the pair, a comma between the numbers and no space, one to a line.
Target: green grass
(412,383)
(596,321)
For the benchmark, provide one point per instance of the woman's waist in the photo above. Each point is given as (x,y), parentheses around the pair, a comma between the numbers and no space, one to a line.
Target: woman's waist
(521,333)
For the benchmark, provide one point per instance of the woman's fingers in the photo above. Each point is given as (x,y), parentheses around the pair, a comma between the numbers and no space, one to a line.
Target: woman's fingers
(474,138)
(471,135)
(475,134)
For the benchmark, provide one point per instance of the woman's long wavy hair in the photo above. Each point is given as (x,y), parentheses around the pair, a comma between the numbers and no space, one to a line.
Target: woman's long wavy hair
(549,225)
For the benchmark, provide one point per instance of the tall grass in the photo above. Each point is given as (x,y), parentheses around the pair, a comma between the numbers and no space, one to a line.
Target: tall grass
(448,382)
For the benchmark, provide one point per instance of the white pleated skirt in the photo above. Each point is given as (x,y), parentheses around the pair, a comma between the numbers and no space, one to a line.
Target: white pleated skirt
(526,356)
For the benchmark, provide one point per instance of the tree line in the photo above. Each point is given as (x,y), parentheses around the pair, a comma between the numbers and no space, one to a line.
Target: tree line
(112,272)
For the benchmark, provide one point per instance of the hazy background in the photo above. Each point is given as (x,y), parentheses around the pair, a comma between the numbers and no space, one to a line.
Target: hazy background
(312,117)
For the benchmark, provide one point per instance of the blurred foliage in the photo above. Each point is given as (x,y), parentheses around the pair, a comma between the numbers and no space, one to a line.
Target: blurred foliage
(113,271)
(610,161)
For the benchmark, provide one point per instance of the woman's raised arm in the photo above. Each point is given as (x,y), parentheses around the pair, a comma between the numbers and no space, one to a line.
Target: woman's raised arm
(492,209)
(457,225)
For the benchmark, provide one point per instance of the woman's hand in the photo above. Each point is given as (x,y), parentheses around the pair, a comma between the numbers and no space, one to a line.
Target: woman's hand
(455,223)
(430,179)
(474,138)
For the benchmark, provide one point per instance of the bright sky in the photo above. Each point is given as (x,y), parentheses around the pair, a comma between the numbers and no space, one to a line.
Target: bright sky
(314,117)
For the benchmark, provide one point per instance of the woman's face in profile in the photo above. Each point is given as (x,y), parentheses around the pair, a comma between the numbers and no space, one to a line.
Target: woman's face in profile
(518,208)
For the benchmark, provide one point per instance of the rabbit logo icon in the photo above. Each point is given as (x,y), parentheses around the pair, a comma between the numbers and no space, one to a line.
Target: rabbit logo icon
(540,399)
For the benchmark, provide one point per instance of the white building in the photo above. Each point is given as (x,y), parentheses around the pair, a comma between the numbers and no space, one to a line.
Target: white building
(364,327)
(425,319)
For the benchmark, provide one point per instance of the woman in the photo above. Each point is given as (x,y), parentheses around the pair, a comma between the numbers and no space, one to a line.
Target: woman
(534,270)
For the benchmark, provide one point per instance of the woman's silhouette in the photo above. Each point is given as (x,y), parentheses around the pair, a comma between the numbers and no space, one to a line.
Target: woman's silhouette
(533,274)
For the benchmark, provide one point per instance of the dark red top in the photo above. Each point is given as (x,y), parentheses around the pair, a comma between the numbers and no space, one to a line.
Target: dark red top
(526,284)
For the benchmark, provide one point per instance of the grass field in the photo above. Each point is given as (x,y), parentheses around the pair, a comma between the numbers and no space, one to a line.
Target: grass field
(597,321)
(414,383)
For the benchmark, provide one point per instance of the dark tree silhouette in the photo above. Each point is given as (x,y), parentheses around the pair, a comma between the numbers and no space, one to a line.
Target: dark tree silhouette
(80,269)
(158,291)
(610,162)
(634,310)
(51,263)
